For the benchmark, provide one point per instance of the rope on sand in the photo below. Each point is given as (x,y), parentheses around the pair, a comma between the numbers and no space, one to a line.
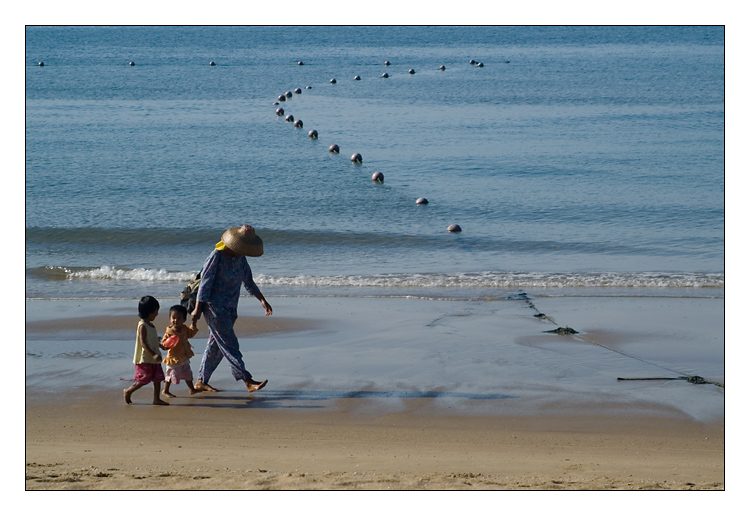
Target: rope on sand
(694,379)
(698,380)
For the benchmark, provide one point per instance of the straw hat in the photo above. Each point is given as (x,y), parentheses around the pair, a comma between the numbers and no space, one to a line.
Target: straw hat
(243,240)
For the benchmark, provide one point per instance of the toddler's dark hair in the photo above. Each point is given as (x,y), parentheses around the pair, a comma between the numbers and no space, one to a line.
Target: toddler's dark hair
(180,310)
(147,305)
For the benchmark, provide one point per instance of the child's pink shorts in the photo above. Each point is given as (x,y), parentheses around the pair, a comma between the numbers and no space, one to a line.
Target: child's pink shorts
(179,372)
(147,373)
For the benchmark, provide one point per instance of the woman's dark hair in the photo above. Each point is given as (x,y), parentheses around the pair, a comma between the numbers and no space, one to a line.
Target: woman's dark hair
(180,310)
(147,305)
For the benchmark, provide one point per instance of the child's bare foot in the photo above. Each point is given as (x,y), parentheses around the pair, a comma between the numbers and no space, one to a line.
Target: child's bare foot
(253,386)
(204,387)
(167,394)
(126,393)
(160,402)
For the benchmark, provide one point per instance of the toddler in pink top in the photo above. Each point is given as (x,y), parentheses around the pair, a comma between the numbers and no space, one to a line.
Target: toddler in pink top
(180,351)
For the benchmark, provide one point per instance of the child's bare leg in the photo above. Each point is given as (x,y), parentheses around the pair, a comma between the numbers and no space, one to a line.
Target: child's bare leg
(130,390)
(157,399)
(166,392)
(191,387)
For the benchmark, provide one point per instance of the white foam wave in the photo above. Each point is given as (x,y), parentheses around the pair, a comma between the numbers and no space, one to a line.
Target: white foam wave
(434,280)
(113,273)
(503,280)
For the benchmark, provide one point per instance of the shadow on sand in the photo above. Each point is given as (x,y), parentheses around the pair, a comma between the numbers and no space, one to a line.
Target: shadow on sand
(312,399)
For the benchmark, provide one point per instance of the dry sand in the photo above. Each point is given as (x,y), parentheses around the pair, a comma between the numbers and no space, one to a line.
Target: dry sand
(219,441)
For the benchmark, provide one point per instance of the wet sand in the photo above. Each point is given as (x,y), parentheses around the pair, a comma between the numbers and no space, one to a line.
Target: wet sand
(426,400)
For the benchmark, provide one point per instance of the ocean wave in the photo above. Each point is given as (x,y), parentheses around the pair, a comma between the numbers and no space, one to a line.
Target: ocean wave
(106,272)
(119,237)
(488,279)
(504,280)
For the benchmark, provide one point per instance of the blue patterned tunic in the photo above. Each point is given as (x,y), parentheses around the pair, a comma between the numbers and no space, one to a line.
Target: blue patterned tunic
(222,278)
(221,281)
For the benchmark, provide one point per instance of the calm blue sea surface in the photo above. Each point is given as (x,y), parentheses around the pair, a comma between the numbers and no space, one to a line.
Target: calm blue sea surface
(575,158)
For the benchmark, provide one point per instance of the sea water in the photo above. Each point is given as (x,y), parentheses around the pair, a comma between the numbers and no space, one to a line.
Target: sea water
(576,159)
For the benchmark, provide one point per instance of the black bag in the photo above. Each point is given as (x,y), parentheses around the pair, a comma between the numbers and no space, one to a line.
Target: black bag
(189,294)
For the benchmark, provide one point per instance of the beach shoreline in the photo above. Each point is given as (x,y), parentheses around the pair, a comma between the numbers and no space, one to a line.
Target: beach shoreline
(385,394)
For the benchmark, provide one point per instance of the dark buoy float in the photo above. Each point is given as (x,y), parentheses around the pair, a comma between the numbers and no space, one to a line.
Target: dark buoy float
(280,112)
(298,124)
(313,134)
(289,118)
(308,87)
(211,64)
(454,228)
(297,90)
(385,76)
(333,148)
(422,200)
(288,94)
(357,78)
(333,81)
(41,63)
(356,157)
(387,63)
(300,63)
(411,70)
(131,63)
(442,68)
(480,65)
(282,98)
(378,177)
(471,61)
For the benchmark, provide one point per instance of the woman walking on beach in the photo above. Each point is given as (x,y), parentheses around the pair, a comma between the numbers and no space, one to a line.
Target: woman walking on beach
(225,271)
(147,357)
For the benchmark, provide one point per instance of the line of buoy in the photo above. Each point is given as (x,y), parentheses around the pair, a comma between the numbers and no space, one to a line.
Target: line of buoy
(356,158)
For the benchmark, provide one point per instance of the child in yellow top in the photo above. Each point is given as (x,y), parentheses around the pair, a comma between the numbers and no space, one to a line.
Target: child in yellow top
(147,357)
(178,356)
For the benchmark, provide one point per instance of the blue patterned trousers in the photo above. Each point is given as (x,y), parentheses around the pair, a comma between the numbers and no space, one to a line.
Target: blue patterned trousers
(222,343)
